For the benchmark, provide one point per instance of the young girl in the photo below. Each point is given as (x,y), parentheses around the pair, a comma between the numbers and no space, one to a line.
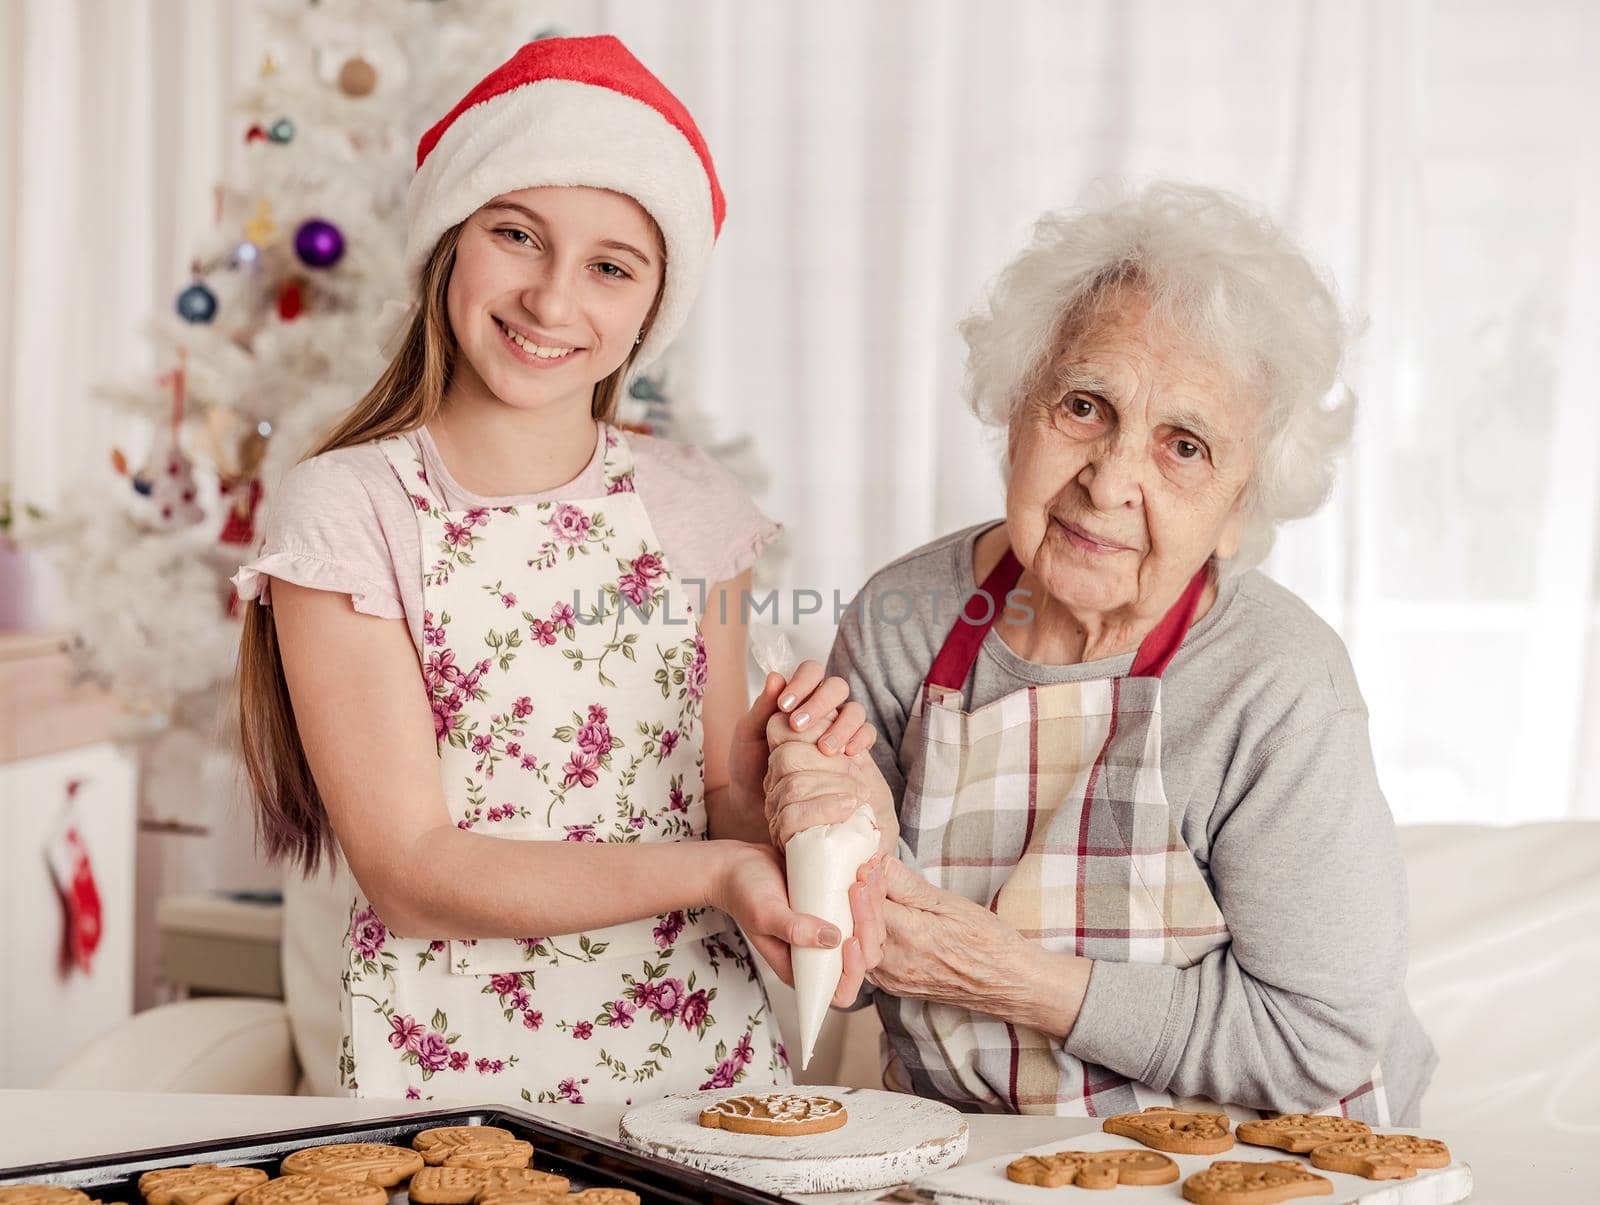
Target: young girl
(463,649)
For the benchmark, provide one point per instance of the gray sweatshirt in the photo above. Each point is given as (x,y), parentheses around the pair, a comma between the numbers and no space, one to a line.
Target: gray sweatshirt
(1268,768)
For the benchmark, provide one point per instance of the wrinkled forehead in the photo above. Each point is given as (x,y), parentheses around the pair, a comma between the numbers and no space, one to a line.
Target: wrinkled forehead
(1120,343)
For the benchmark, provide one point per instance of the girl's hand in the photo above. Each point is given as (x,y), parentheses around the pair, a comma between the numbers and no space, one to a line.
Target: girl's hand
(822,706)
(752,890)
(804,788)
(813,716)
(747,757)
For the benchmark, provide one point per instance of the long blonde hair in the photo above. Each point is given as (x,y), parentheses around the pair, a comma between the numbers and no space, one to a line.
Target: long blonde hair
(291,821)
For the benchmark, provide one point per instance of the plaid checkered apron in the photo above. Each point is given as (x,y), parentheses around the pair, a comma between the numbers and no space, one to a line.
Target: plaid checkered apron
(1047,807)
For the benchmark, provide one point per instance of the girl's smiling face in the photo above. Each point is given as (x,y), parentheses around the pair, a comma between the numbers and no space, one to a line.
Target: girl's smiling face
(551,286)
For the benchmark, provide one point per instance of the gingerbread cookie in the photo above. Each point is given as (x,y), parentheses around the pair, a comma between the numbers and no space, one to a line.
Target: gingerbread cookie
(42,1194)
(1174,1130)
(787,1114)
(314,1190)
(460,1185)
(1298,1133)
(589,1196)
(512,1154)
(438,1144)
(199,1184)
(1092,1169)
(375,1162)
(1234,1182)
(1381,1156)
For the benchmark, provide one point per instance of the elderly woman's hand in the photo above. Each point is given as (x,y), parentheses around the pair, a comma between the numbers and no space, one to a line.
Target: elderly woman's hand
(936,945)
(805,787)
(863,950)
(806,707)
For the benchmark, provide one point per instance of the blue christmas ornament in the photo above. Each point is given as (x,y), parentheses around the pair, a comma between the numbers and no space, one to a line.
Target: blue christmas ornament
(197,303)
(246,254)
(281,131)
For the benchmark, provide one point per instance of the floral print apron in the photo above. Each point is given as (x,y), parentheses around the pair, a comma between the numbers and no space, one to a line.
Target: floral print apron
(1046,806)
(566,699)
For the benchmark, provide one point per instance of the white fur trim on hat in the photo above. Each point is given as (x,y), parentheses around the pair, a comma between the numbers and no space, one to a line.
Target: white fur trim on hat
(557,132)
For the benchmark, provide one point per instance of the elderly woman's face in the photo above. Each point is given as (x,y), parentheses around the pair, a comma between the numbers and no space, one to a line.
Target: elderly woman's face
(1128,465)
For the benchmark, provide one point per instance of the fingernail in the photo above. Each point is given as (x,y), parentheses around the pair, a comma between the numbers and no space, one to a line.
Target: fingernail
(829,745)
(828,936)
(801,720)
(787,702)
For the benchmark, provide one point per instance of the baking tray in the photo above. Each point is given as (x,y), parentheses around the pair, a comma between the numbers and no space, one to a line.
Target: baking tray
(586,1160)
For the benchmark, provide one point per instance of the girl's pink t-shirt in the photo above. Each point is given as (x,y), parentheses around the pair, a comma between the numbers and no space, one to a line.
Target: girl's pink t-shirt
(342,521)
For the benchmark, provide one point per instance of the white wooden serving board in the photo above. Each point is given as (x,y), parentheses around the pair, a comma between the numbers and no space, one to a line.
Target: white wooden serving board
(985,1183)
(889,1139)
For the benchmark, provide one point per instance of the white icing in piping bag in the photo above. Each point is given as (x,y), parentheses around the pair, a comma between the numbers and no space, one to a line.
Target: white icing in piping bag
(770,648)
(822,864)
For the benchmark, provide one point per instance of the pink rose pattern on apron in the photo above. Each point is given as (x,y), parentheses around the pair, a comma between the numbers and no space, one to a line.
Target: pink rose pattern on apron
(1046,806)
(566,689)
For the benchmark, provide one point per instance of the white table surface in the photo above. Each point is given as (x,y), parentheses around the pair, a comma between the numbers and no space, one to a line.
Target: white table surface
(1509,1168)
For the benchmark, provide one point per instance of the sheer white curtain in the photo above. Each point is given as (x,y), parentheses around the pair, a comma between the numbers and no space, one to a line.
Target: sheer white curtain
(115,123)
(883,158)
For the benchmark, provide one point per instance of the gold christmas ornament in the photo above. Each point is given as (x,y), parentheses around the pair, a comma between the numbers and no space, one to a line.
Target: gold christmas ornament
(260,229)
(357,78)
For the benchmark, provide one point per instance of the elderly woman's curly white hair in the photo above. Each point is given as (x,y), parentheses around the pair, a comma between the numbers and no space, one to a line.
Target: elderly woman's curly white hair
(1221,277)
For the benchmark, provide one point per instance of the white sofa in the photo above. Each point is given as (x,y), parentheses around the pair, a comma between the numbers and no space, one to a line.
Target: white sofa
(1505,942)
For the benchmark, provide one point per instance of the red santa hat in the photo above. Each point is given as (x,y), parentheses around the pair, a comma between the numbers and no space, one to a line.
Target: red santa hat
(574,111)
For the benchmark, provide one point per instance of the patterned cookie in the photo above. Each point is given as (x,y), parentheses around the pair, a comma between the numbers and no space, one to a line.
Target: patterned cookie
(783,1113)
(1381,1156)
(589,1196)
(199,1184)
(513,1154)
(1174,1130)
(438,1144)
(314,1190)
(1233,1182)
(1092,1169)
(459,1185)
(42,1194)
(1298,1133)
(374,1162)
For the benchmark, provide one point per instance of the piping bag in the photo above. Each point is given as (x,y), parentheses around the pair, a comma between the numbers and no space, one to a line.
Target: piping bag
(821,864)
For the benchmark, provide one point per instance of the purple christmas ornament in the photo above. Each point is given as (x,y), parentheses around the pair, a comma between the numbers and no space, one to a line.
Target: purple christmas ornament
(318,243)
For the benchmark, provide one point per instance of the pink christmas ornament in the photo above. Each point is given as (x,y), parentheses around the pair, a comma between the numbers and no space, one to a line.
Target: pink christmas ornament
(167,477)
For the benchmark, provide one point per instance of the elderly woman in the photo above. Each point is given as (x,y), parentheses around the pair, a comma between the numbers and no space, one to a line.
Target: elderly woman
(1143,857)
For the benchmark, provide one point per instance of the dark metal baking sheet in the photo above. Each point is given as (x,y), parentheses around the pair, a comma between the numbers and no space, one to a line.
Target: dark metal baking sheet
(586,1160)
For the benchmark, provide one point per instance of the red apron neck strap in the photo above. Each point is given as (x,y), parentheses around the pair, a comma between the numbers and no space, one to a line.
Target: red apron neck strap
(1157,650)
(960,649)
(954,662)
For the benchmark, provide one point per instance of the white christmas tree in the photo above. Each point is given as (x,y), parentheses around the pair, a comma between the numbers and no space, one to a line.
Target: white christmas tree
(276,335)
